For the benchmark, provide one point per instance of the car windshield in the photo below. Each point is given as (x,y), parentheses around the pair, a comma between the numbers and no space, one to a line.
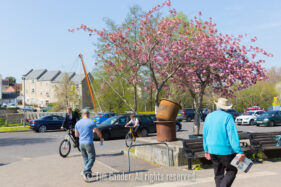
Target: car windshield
(110,120)
(269,113)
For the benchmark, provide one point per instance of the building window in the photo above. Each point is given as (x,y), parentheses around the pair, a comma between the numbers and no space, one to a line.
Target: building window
(33,100)
(32,80)
(33,90)
(47,102)
(27,100)
(41,93)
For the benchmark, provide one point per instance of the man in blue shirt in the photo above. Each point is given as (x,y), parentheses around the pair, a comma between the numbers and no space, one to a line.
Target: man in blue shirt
(221,143)
(84,130)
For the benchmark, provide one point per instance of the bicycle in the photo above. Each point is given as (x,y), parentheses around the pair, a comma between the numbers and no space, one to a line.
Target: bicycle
(130,137)
(65,145)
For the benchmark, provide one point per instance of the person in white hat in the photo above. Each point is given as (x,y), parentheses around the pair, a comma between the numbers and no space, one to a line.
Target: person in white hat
(221,143)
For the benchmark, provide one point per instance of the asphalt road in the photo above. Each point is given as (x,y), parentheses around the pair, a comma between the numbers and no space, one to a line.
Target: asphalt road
(26,145)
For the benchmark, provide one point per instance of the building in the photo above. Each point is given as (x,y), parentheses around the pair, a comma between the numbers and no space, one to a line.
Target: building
(10,98)
(39,87)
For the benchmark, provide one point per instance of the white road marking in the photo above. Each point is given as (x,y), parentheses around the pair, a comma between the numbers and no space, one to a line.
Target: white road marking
(210,179)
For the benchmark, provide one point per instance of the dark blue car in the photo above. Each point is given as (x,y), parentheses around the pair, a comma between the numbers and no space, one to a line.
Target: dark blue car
(98,119)
(51,122)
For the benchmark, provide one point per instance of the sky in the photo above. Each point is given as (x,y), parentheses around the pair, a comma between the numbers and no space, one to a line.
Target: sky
(34,33)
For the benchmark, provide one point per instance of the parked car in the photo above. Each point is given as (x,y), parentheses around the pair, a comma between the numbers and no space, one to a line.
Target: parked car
(114,127)
(100,117)
(12,105)
(252,108)
(204,112)
(269,118)
(46,109)
(50,122)
(248,118)
(180,115)
(234,113)
(178,123)
(188,114)
(27,109)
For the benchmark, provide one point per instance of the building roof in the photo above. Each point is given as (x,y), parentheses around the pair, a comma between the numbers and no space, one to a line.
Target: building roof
(78,78)
(35,74)
(49,75)
(10,95)
(59,78)
(10,89)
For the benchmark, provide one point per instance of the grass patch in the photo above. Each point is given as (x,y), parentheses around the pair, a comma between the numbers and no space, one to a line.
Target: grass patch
(2,121)
(11,129)
(11,125)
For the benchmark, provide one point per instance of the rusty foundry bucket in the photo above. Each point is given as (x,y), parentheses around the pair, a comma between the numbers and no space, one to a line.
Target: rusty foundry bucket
(167,110)
(166,131)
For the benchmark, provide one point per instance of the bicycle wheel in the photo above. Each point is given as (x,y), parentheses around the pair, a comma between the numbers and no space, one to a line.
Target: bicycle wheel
(129,140)
(64,148)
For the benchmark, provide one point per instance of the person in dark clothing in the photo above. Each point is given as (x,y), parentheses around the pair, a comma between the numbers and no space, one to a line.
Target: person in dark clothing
(69,123)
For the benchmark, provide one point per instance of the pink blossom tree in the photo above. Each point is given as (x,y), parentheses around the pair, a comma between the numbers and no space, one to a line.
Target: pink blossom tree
(156,48)
(219,62)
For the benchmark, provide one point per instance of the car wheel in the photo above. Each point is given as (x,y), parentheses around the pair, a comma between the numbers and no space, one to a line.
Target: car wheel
(106,135)
(188,119)
(42,128)
(252,122)
(177,127)
(271,123)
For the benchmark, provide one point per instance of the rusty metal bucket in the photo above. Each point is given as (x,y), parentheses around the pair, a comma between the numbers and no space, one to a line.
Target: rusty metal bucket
(166,131)
(167,110)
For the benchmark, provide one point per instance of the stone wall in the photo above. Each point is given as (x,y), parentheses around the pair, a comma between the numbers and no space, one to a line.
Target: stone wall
(157,154)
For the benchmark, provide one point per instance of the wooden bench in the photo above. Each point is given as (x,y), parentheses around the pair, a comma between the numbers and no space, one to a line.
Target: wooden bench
(193,149)
(263,141)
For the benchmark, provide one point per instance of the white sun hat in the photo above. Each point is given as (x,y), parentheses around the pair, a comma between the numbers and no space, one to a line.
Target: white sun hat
(223,104)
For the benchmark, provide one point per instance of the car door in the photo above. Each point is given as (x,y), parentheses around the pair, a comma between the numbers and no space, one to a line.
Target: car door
(118,130)
(57,122)
(278,116)
(146,122)
(48,122)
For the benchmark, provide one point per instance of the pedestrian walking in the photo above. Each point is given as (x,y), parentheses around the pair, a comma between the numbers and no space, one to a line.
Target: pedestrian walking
(221,143)
(84,129)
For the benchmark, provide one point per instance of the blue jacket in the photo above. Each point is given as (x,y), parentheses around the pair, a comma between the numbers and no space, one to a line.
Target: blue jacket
(220,136)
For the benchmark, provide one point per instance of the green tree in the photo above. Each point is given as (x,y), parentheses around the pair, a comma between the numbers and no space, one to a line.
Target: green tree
(12,80)
(260,94)
(66,94)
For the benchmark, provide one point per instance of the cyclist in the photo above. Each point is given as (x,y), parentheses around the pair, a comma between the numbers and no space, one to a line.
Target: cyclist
(69,123)
(135,122)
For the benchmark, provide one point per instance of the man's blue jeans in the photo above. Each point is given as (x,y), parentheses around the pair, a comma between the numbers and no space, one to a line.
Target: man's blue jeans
(89,157)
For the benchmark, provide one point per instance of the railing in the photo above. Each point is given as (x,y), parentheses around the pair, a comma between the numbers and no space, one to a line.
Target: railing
(135,145)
